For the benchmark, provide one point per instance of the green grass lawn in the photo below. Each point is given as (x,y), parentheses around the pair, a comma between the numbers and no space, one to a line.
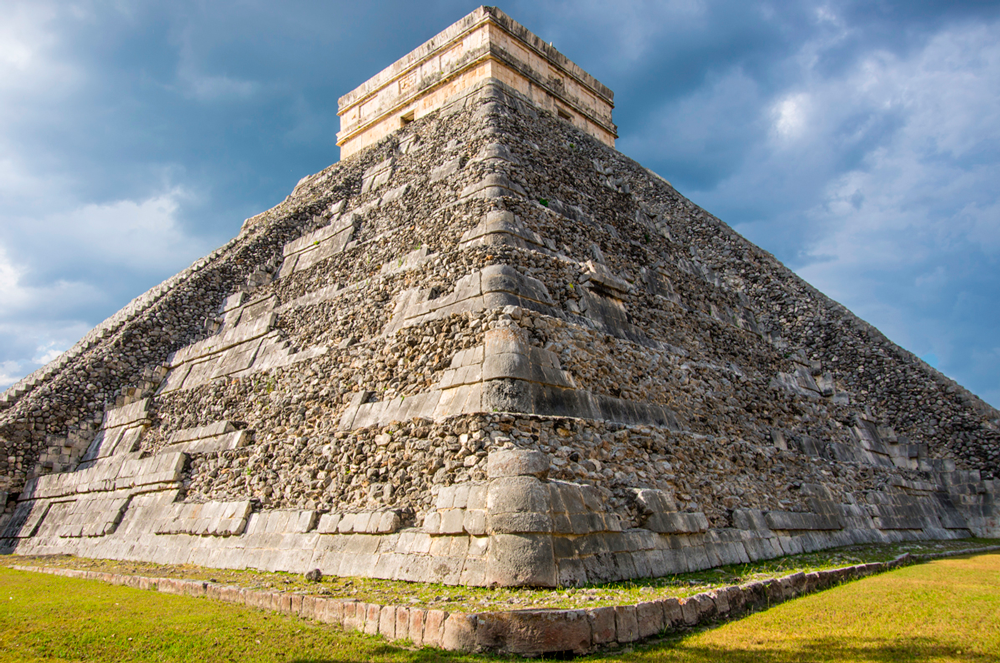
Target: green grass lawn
(948,610)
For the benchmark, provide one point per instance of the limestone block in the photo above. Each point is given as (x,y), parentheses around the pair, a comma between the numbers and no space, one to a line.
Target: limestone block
(649,618)
(501,227)
(506,396)
(478,546)
(477,495)
(354,616)
(306,521)
(696,609)
(492,186)
(785,520)
(432,522)
(377,175)
(372,613)
(535,631)
(233,301)
(599,273)
(793,585)
(602,625)
(446,169)
(387,622)
(459,633)
(518,496)
(452,521)
(721,599)
(655,501)
(127,414)
(626,624)
(749,519)
(433,631)
(473,573)
(517,463)
(402,626)
(475,522)
(460,497)
(678,522)
(346,523)
(392,195)
(234,440)
(502,278)
(175,379)
(363,522)
(506,340)
(415,628)
(445,498)
(736,598)
(521,522)
(388,522)
(521,560)
(774,592)
(673,614)
(331,611)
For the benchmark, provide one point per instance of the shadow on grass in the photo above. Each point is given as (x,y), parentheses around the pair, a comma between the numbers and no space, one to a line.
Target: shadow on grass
(427,655)
(822,649)
(819,650)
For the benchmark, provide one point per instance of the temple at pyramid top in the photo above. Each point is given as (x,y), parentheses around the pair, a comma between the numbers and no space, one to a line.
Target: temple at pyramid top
(485,44)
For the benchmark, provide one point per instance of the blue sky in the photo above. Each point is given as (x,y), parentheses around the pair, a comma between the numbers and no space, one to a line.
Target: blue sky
(857,141)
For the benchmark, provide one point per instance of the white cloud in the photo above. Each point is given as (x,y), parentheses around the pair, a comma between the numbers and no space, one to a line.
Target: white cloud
(633,29)
(50,352)
(195,82)
(10,372)
(143,236)
(18,298)
(874,178)
(925,189)
(45,310)
(790,116)
(29,68)
(216,88)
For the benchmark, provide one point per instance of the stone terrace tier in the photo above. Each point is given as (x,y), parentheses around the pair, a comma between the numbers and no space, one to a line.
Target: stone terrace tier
(489,350)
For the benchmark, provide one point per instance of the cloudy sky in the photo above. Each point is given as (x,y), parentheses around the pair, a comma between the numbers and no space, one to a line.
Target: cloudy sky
(857,141)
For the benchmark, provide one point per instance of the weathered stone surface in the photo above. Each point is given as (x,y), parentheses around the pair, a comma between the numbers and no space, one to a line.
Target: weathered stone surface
(521,559)
(428,364)
(517,463)
(626,624)
(602,625)
(459,633)
(535,632)
(434,628)
(673,614)
(649,618)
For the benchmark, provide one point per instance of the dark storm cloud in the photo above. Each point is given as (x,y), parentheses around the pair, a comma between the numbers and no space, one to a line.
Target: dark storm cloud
(858,141)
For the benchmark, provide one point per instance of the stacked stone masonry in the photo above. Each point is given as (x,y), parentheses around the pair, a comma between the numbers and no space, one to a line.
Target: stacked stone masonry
(488,350)
(556,633)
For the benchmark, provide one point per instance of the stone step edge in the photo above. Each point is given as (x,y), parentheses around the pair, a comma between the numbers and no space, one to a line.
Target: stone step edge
(526,632)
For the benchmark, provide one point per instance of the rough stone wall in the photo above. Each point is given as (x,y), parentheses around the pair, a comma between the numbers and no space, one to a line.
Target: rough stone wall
(331,387)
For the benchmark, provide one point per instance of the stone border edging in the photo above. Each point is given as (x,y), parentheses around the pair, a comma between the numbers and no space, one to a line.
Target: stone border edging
(526,632)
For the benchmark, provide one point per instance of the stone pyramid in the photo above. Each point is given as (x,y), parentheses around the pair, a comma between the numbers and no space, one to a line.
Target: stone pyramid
(486,348)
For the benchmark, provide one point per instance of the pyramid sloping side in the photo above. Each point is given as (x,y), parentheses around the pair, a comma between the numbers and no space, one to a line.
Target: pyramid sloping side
(490,350)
